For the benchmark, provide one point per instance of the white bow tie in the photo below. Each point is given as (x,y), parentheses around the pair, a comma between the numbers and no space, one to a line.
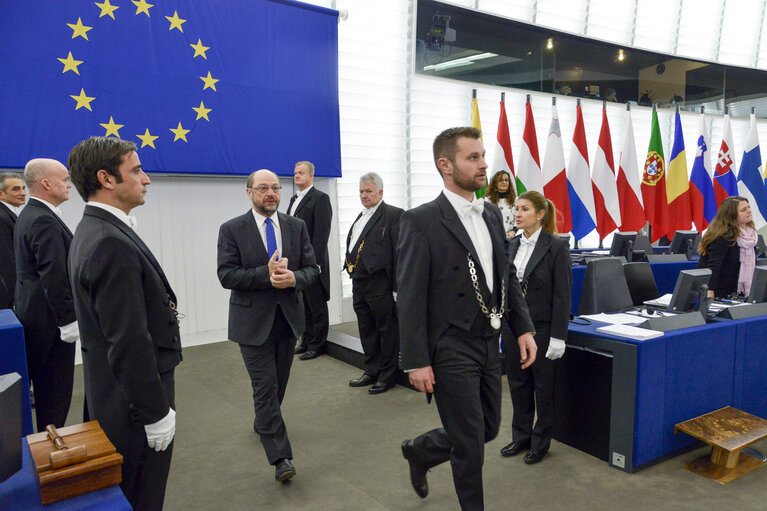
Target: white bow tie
(526,241)
(477,206)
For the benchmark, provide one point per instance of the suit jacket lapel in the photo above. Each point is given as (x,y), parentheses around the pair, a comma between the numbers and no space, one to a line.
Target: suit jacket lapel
(307,198)
(7,211)
(453,224)
(351,231)
(513,247)
(285,234)
(252,232)
(541,246)
(373,220)
(292,200)
(497,235)
(37,203)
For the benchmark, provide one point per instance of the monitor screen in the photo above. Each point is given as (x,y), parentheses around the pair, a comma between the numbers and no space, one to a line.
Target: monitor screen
(623,245)
(683,243)
(690,290)
(758,292)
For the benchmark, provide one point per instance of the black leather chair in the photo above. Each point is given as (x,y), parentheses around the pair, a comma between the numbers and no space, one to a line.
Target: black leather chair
(641,282)
(604,287)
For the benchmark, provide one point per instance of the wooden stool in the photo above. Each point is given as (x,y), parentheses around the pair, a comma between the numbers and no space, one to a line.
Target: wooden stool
(728,431)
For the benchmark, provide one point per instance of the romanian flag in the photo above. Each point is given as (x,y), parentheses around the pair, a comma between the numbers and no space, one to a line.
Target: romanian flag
(654,183)
(677,184)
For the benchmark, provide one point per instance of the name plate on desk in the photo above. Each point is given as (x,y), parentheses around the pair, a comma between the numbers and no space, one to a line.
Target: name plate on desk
(743,311)
(10,425)
(674,322)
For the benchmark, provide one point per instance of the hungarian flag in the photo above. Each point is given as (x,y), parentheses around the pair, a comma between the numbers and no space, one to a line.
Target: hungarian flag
(529,169)
(606,204)
(502,159)
(654,183)
(554,175)
(725,183)
(701,189)
(629,193)
(579,182)
(678,183)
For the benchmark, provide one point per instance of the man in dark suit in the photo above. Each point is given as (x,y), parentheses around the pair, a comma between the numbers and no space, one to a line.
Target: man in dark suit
(453,292)
(266,259)
(43,299)
(313,207)
(127,310)
(370,261)
(12,195)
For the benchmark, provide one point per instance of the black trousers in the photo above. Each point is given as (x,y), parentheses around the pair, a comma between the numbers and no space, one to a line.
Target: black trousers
(377,321)
(532,390)
(268,365)
(467,371)
(51,367)
(317,319)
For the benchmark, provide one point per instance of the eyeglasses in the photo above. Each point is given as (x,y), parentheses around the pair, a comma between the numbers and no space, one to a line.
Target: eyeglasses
(265,188)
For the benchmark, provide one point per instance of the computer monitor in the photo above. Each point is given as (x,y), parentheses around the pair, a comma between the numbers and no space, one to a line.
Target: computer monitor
(758,292)
(623,245)
(690,291)
(683,243)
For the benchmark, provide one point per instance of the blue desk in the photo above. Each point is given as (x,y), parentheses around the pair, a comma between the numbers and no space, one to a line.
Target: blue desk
(646,387)
(13,359)
(665,278)
(20,492)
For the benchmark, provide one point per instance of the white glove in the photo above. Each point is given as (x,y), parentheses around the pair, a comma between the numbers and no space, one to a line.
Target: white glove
(394,295)
(556,349)
(70,333)
(160,434)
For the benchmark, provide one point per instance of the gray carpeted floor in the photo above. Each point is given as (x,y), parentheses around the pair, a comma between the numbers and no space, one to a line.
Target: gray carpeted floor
(346,446)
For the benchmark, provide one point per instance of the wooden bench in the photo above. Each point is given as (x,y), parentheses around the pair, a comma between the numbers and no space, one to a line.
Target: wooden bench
(728,431)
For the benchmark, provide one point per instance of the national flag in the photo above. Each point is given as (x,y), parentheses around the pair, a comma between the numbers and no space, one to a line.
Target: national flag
(629,192)
(502,159)
(606,207)
(579,187)
(475,123)
(203,87)
(725,182)
(654,183)
(750,180)
(555,176)
(702,196)
(529,175)
(678,183)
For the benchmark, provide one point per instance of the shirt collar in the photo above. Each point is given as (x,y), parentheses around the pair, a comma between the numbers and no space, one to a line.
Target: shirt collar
(13,208)
(261,218)
(128,220)
(56,210)
(532,239)
(457,201)
(370,211)
(300,194)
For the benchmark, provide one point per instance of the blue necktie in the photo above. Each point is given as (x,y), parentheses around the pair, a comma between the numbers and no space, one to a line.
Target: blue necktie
(271,239)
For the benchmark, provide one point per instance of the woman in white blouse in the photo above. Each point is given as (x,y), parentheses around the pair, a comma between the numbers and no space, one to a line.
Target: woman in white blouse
(542,265)
(501,193)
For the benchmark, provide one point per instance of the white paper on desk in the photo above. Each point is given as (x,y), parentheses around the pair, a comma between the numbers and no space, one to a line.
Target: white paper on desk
(631,332)
(661,301)
(616,319)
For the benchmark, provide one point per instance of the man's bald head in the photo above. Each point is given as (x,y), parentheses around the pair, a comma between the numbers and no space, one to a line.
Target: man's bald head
(47,179)
(259,176)
(38,169)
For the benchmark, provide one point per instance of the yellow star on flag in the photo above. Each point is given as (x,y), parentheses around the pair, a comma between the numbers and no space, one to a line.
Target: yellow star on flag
(202,112)
(175,21)
(199,49)
(209,81)
(112,127)
(83,100)
(148,139)
(78,29)
(142,6)
(180,132)
(107,9)
(70,64)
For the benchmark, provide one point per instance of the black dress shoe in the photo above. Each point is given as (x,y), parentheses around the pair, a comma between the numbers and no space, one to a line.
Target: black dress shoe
(300,349)
(417,471)
(309,355)
(380,387)
(283,470)
(362,381)
(534,456)
(515,448)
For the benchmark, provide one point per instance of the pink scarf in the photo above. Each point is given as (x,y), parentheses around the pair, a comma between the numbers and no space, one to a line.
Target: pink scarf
(746,242)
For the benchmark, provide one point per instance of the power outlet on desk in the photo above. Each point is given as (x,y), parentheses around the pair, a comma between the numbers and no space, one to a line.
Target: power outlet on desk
(619,460)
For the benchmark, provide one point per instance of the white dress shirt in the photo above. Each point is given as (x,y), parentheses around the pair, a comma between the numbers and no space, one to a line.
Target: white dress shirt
(260,222)
(361,222)
(299,197)
(477,229)
(525,250)
(13,208)
(128,220)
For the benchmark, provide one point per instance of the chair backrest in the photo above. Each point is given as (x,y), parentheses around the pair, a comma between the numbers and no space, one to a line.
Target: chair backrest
(666,258)
(641,282)
(643,243)
(604,287)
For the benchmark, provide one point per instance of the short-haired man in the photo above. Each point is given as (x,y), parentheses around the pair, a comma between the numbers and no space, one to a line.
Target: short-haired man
(266,259)
(313,207)
(371,263)
(128,320)
(453,292)
(12,195)
(43,299)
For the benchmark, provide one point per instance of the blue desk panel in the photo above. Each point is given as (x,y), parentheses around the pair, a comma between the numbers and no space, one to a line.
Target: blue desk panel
(13,359)
(20,492)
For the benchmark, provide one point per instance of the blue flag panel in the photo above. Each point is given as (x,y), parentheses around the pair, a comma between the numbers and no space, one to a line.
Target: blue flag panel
(202,86)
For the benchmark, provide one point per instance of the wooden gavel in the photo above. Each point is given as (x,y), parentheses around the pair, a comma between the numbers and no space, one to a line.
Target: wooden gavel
(64,455)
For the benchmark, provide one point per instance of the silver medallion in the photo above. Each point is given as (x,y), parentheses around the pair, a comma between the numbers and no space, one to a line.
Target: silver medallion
(495,322)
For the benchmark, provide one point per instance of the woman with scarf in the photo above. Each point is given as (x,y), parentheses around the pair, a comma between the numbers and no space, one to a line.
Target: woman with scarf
(728,249)
(501,193)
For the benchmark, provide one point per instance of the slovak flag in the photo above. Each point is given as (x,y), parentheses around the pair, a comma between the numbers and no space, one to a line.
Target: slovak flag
(725,183)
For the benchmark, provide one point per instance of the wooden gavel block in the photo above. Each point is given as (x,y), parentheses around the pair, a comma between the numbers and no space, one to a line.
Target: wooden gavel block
(64,455)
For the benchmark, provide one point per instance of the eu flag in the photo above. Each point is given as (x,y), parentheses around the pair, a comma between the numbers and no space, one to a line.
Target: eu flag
(202,86)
